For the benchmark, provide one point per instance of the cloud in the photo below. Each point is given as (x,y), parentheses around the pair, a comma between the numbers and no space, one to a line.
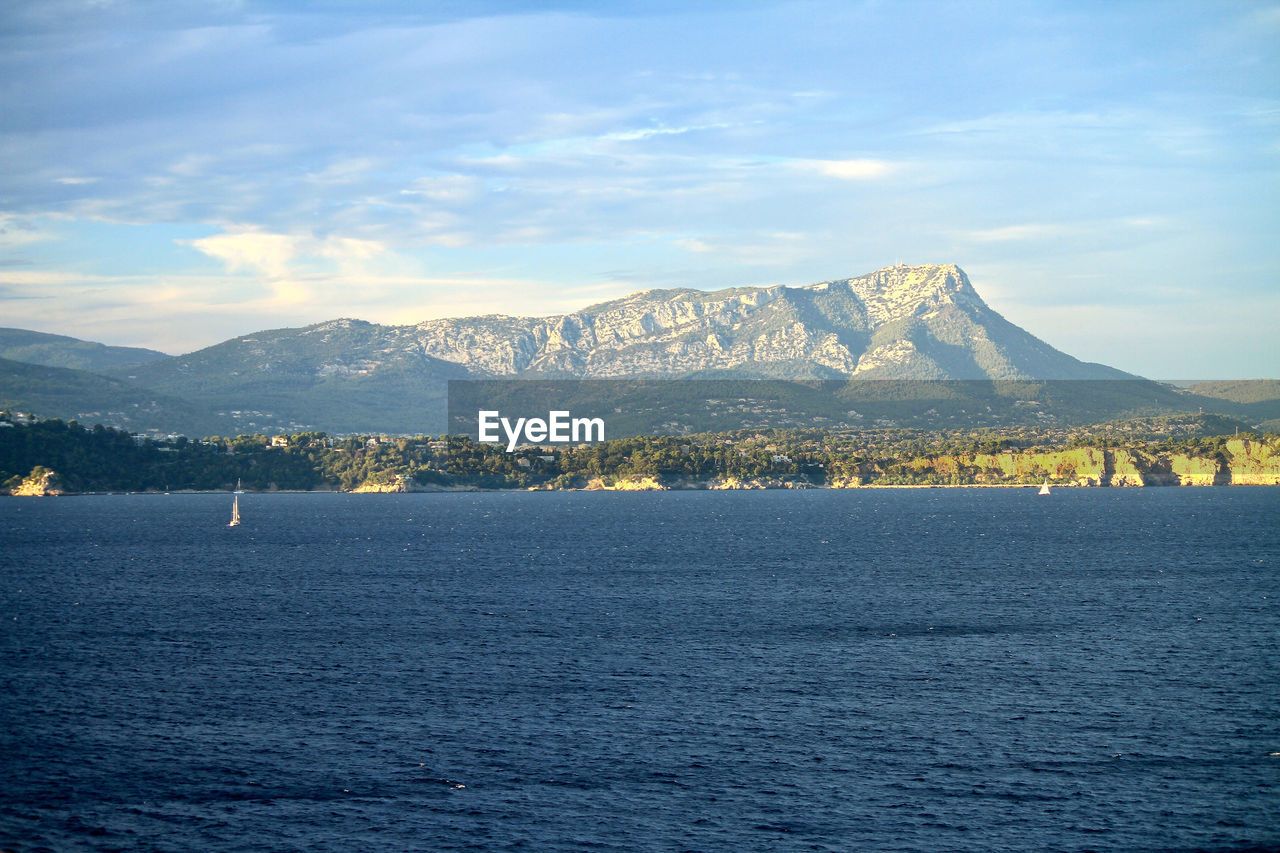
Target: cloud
(346,171)
(689,244)
(1038,121)
(648,132)
(287,292)
(1013,233)
(350,248)
(290,266)
(446,189)
(181,313)
(1079,236)
(266,257)
(170,312)
(252,251)
(850,170)
(18,231)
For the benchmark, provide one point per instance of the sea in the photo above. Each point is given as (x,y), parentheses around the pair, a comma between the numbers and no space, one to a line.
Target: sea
(823,670)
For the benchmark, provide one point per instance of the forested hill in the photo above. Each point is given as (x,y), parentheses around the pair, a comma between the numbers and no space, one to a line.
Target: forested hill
(61,351)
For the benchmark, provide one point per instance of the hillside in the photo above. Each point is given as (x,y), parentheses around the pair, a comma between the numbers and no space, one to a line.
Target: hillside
(1257,400)
(62,351)
(59,392)
(344,376)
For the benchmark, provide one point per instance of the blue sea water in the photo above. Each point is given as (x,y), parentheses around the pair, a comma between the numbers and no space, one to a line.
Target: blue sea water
(915,670)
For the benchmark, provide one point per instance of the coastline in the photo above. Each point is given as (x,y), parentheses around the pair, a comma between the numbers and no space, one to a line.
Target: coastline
(652,465)
(632,486)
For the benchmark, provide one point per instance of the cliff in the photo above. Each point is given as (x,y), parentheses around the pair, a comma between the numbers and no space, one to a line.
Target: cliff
(1253,463)
(370,488)
(1244,462)
(1237,461)
(41,482)
(643,484)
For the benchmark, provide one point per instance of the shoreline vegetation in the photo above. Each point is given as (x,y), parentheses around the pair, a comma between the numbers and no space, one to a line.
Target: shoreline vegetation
(52,457)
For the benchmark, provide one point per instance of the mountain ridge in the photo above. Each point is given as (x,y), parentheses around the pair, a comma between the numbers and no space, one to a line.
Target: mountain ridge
(50,350)
(903,322)
(923,322)
(72,394)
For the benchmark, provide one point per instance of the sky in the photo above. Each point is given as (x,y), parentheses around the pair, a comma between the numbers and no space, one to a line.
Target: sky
(1108,174)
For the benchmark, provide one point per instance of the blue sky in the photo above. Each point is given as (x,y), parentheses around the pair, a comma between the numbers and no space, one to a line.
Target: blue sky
(174,174)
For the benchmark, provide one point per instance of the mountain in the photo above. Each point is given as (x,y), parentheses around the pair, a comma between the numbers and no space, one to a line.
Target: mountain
(1258,400)
(62,351)
(60,392)
(1245,391)
(921,322)
(902,323)
(340,376)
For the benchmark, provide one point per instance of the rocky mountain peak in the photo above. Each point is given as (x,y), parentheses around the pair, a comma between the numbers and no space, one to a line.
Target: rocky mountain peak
(924,321)
(900,291)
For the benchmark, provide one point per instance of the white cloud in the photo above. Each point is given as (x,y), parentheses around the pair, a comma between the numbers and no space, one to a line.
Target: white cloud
(291,267)
(251,251)
(754,250)
(447,189)
(647,132)
(181,313)
(345,171)
(496,161)
(191,165)
(1037,121)
(1264,18)
(1078,236)
(690,244)
(173,313)
(1014,233)
(17,231)
(850,170)
(350,248)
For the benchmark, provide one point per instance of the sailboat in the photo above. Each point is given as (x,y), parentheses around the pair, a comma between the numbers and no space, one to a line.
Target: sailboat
(235,512)
(239,490)
(1044,490)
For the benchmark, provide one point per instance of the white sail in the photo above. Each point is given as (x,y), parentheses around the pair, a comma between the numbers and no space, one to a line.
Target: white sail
(235,512)
(1044,490)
